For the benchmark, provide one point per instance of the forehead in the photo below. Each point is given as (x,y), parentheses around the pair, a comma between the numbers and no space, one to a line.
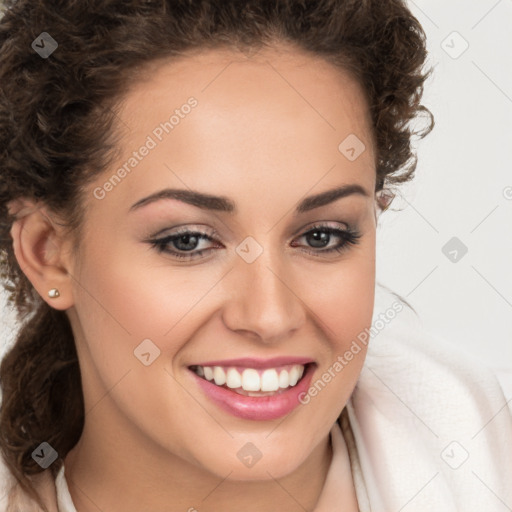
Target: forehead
(273,82)
(264,119)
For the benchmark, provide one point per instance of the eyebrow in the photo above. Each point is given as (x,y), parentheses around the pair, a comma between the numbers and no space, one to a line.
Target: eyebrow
(224,204)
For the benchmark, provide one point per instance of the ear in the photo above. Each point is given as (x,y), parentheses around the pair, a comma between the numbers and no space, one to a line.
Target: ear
(40,251)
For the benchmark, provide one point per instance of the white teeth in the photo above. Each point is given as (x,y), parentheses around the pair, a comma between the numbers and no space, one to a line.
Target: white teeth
(252,380)
(269,381)
(233,379)
(284,380)
(294,376)
(219,376)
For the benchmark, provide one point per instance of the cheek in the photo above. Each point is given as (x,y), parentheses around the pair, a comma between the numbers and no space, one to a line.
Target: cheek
(347,306)
(119,309)
(343,300)
(342,295)
(134,295)
(346,312)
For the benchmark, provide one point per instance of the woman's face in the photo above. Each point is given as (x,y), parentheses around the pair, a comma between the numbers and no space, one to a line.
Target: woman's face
(260,279)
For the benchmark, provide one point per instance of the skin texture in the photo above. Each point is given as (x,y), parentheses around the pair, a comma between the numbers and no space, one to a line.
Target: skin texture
(265,134)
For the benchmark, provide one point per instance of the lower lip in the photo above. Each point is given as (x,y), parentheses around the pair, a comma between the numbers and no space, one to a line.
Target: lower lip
(262,408)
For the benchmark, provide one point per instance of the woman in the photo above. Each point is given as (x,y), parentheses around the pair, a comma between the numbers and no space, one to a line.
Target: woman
(190,193)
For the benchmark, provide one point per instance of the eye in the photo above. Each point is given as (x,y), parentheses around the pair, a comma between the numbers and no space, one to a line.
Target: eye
(320,236)
(187,244)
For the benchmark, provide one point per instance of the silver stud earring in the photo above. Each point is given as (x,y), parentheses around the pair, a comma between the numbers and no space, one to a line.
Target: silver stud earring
(53,293)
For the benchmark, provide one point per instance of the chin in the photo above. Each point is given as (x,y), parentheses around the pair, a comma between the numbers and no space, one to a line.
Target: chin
(258,465)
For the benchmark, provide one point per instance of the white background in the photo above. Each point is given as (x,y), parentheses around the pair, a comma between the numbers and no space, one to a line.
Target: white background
(465,165)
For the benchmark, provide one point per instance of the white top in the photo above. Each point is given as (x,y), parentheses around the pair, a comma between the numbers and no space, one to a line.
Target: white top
(427,428)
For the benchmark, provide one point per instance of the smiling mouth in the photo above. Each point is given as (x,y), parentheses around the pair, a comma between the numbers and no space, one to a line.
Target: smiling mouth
(251,381)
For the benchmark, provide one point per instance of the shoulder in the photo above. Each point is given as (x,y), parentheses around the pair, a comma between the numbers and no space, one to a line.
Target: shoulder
(425,413)
(426,368)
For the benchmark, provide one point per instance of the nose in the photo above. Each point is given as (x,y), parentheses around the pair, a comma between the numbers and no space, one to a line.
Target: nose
(264,300)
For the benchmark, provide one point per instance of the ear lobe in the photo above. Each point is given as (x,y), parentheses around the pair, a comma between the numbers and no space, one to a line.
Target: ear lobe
(38,250)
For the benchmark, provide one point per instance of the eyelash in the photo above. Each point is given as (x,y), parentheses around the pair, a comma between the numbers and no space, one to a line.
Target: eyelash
(349,237)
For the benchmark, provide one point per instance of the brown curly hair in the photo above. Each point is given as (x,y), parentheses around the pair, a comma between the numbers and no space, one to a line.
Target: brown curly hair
(57,132)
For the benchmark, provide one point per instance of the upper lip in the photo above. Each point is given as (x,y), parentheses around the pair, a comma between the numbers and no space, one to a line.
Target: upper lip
(250,362)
